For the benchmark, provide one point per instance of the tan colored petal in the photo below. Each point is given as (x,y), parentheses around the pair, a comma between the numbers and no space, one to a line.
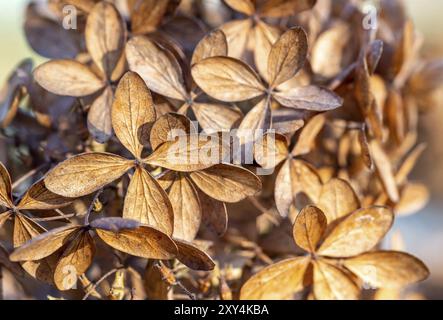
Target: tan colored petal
(5,187)
(4,217)
(387,269)
(267,283)
(44,245)
(188,153)
(99,116)
(133,112)
(163,129)
(328,55)
(331,283)
(309,98)
(359,232)
(265,36)
(214,214)
(68,78)
(148,203)
(215,117)
(147,15)
(285,8)
(243,6)
(187,210)
(38,197)
(227,79)
(295,177)
(237,34)
(309,133)
(158,67)
(384,169)
(105,36)
(86,173)
(227,182)
(414,198)
(144,242)
(193,257)
(256,122)
(287,56)
(74,261)
(337,199)
(212,45)
(309,228)
(271,150)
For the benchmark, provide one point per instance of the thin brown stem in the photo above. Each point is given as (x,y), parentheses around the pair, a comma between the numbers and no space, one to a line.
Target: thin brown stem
(99,281)
(91,206)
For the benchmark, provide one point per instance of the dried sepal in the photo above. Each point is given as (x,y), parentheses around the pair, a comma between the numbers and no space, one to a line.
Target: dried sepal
(148,203)
(193,257)
(133,112)
(68,78)
(267,283)
(309,228)
(144,242)
(359,232)
(227,79)
(86,173)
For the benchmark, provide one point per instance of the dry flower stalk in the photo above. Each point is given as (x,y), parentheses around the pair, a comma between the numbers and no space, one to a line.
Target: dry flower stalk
(332,114)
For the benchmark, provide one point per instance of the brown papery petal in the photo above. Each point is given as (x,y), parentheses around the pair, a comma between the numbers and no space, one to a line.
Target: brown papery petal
(309,133)
(312,98)
(187,210)
(193,257)
(256,122)
(167,126)
(133,112)
(86,173)
(267,283)
(227,183)
(214,214)
(216,117)
(99,116)
(359,232)
(265,36)
(5,187)
(285,8)
(75,260)
(148,203)
(414,198)
(237,33)
(309,228)
(158,67)
(388,269)
(38,197)
(227,79)
(44,245)
(270,150)
(331,283)
(295,177)
(243,6)
(68,78)
(327,57)
(384,169)
(337,199)
(144,242)
(147,15)
(212,45)
(287,56)
(188,153)
(105,36)
(4,217)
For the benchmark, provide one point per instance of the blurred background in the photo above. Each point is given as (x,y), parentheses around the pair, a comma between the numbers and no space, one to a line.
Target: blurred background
(422,233)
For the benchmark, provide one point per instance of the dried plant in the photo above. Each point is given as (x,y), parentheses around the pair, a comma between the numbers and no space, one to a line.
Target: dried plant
(131,134)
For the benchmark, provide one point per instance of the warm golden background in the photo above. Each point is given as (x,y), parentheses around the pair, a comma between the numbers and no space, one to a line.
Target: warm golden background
(422,233)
